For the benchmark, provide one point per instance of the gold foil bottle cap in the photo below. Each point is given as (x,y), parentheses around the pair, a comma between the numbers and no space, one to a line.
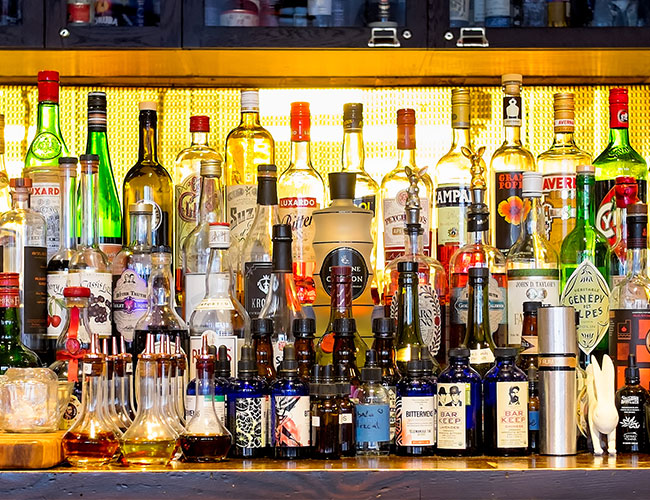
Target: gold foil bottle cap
(511,83)
(147,106)
(460,110)
(563,104)
(563,100)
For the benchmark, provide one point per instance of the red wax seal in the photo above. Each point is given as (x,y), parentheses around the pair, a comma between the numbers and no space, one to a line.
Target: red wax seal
(73,346)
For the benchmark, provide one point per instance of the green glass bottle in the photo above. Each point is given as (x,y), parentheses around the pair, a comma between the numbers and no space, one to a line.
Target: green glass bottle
(478,335)
(110,211)
(584,263)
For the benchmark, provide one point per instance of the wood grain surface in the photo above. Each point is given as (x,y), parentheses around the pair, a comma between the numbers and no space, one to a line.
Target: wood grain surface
(30,451)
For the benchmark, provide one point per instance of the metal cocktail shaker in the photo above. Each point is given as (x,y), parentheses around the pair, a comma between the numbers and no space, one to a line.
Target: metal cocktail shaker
(556,331)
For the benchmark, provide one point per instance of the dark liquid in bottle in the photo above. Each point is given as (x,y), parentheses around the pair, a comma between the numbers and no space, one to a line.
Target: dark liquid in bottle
(204,448)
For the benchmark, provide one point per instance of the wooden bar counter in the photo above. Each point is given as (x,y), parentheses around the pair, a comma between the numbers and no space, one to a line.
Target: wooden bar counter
(583,476)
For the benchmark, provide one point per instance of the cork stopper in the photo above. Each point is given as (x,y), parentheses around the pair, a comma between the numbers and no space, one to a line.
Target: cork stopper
(89,163)
(564,105)
(147,106)
(20,183)
(511,83)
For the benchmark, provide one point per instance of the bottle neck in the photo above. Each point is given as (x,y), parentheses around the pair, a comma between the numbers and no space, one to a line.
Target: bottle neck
(408,314)
(199,139)
(19,200)
(563,140)
(413,243)
(267,191)
(637,262)
(89,208)
(620,222)
(405,158)
(353,151)
(48,118)
(91,393)
(385,352)
(460,138)
(217,279)
(341,302)
(148,392)
(148,148)
(210,201)
(10,324)
(534,223)
(585,208)
(301,155)
(282,259)
(160,286)
(140,230)
(204,382)
(512,135)
(478,317)
(619,137)
(250,119)
(68,211)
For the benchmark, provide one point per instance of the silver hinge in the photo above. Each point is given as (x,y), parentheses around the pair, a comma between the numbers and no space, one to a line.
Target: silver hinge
(472,37)
(383,36)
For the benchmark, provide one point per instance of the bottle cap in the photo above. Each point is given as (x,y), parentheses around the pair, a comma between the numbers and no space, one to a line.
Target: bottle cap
(459,353)
(460,111)
(532,185)
(632,376)
(141,208)
(618,95)
(282,232)
(147,106)
(531,307)
(637,209)
(223,363)
(563,107)
(20,183)
(327,386)
(48,86)
(511,83)
(428,366)
(68,160)
(383,327)
(505,352)
(76,291)
(261,327)
(478,273)
(89,164)
(586,169)
(352,116)
(199,123)
(345,327)
(97,101)
(300,121)
(342,380)
(289,365)
(406,129)
(314,380)
(414,367)
(9,280)
(407,267)
(511,78)
(342,185)
(304,328)
(246,365)
(210,168)
(262,169)
(371,371)
(563,100)
(250,100)
(219,235)
(89,158)
(406,116)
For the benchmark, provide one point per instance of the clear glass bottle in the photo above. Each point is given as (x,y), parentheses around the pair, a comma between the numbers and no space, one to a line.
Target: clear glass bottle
(508,164)
(109,389)
(89,266)
(372,411)
(24,251)
(478,338)
(625,192)
(300,192)
(165,387)
(123,380)
(532,263)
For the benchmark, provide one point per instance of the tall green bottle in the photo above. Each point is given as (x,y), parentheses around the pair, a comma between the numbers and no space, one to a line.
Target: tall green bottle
(584,264)
(110,211)
(478,334)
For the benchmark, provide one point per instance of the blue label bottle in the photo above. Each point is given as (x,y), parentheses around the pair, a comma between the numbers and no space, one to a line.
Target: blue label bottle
(373,411)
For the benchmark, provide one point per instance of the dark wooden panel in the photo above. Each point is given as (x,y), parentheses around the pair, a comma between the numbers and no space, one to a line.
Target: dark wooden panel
(28,34)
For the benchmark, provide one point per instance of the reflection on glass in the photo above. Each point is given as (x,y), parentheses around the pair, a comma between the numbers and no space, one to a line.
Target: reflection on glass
(129,13)
(11,12)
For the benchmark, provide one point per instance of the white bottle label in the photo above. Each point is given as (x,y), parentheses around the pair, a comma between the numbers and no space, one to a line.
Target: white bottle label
(394,219)
(481,356)
(497,300)
(416,421)
(57,313)
(452,403)
(101,298)
(291,421)
(250,423)
(430,316)
(241,200)
(194,292)
(46,200)
(215,340)
(345,418)
(129,302)
(512,415)
(297,212)
(451,204)
(215,303)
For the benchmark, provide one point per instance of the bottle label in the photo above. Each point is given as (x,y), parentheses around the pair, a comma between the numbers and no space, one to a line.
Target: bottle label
(72,411)
(214,341)
(533,420)
(194,292)
(605,194)
(529,345)
(219,406)
(239,18)
(618,115)
(373,423)
(297,212)
(345,418)
(79,13)
(101,298)
(46,200)
(628,333)
(631,431)
(529,285)
(57,313)
(345,256)
(559,206)
(512,415)
(257,279)
(509,208)
(566,125)
(250,426)
(130,302)
(416,421)
(459,11)
(392,396)
(217,303)
(35,291)
(586,290)
(290,421)
(241,200)
(481,356)
(430,316)
(366,202)
(452,402)
(187,209)
(497,304)
(511,103)
(394,220)
(156,219)
(452,203)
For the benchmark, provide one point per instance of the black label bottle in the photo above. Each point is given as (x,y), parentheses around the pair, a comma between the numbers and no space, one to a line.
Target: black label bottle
(631,434)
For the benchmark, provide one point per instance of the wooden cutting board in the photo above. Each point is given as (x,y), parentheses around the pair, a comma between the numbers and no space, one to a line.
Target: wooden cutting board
(30,451)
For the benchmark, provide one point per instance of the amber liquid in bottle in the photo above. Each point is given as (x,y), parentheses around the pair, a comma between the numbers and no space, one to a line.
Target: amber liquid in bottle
(198,448)
(81,447)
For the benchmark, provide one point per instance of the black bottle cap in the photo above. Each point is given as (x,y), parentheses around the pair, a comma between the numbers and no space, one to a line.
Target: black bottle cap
(371,371)
(459,353)
(289,365)
(632,376)
(89,158)
(478,218)
(383,327)
(414,229)
(342,380)
(304,328)
(342,185)
(478,272)
(327,386)
(261,327)
(531,307)
(223,363)
(505,352)
(67,160)
(282,258)
(246,366)
(415,367)
(266,168)
(97,100)
(352,115)
(282,232)
(407,267)
(345,327)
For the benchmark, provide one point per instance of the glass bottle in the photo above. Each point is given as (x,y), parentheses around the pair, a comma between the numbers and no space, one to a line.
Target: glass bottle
(452,180)
(630,299)
(583,267)
(247,146)
(478,338)
(346,404)
(58,266)
(219,316)
(529,342)
(22,233)
(314,401)
(282,304)
(300,192)
(625,192)
(109,209)
(508,163)
(303,331)
(505,401)
(148,181)
(458,414)
(5,199)
(384,332)
(532,263)
(123,378)
(179,360)
(42,157)
(150,440)
(618,158)
(290,418)
(196,247)
(13,353)
(222,383)
(165,387)
(327,417)
(372,411)
(533,410)
(257,249)
(109,389)
(89,266)
(631,434)
(341,290)
(262,331)
(344,353)
(131,269)
(558,165)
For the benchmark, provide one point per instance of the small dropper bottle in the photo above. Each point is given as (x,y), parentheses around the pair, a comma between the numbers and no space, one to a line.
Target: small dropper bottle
(327,445)
(373,411)
(346,412)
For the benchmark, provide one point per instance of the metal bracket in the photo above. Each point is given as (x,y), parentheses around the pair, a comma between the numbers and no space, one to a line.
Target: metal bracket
(383,36)
(472,37)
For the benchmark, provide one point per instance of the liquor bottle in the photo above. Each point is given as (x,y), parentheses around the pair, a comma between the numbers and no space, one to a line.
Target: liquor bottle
(222,384)
(384,332)
(219,315)
(584,264)
(618,158)
(22,232)
(505,402)
(532,263)
(625,193)
(303,331)
(340,282)
(5,198)
(131,269)
(110,212)
(123,377)
(187,170)
(261,332)
(257,249)
(301,192)
(533,410)
(282,304)
(459,400)
(247,146)
(508,164)
(372,411)
(343,236)
(290,418)
(89,266)
(631,399)
(42,157)
(558,164)
(344,355)
(58,265)
(528,355)
(148,181)
(394,190)
(452,181)
(196,248)
(13,353)
(630,300)
(498,14)
(478,338)
(326,419)
(347,399)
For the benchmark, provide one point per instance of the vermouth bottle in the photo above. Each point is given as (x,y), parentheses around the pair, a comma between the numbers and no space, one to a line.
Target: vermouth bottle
(625,194)
(508,164)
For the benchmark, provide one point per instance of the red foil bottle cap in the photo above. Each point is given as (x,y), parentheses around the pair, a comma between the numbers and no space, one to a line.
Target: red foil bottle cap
(9,280)
(48,86)
(199,123)
(626,191)
(618,95)
(618,104)
(76,291)
(405,129)
(300,121)
(406,116)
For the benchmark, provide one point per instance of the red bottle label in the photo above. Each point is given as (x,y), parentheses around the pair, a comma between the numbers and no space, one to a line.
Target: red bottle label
(618,115)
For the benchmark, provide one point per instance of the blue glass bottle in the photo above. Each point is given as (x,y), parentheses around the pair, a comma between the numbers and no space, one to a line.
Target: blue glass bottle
(505,393)
(415,431)
(459,406)
(290,412)
(222,383)
(248,409)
